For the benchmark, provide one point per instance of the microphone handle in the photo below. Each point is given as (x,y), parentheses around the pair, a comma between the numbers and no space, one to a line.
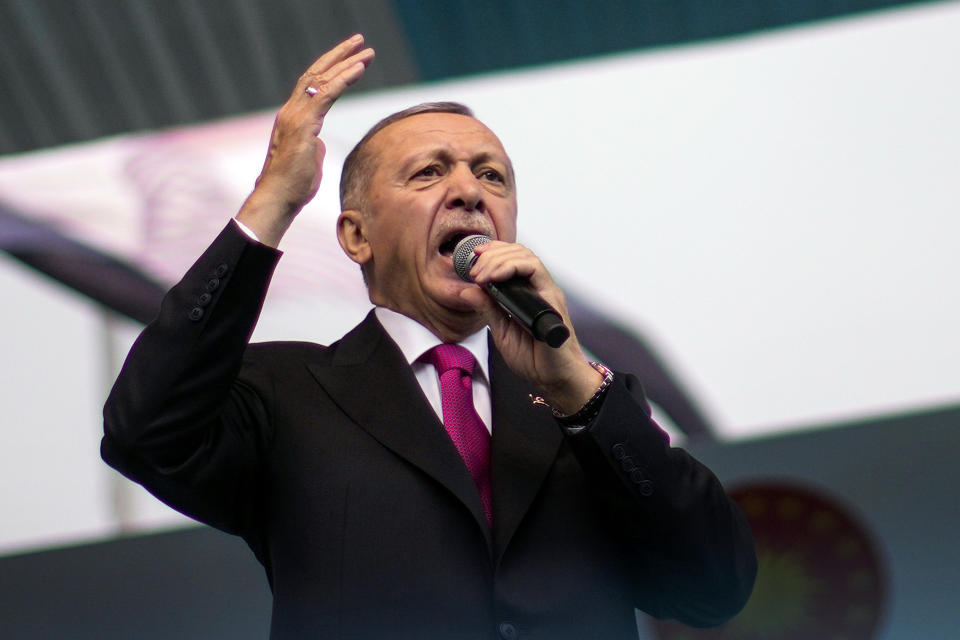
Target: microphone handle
(536,316)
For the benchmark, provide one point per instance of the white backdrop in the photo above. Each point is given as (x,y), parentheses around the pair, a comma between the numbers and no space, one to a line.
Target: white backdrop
(776,213)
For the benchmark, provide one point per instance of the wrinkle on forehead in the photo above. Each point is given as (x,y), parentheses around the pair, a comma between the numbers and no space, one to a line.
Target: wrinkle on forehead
(416,131)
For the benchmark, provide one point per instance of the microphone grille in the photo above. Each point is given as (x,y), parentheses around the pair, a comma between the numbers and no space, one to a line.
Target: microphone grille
(464,257)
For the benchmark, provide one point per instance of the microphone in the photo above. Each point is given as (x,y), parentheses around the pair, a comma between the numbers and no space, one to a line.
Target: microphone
(515,296)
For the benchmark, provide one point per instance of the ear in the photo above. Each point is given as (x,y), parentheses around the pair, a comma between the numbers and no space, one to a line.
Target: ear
(351,232)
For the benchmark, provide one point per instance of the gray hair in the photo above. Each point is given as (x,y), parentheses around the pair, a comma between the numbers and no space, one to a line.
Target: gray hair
(359,163)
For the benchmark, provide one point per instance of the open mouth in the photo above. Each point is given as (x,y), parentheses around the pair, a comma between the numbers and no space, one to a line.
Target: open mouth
(447,246)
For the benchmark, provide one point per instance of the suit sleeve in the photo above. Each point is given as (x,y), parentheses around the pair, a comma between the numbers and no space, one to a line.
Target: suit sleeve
(177,419)
(671,509)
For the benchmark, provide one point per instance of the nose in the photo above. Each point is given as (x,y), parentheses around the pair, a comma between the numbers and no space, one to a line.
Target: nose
(464,190)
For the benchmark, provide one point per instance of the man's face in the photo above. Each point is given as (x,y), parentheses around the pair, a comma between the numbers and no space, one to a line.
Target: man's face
(437,177)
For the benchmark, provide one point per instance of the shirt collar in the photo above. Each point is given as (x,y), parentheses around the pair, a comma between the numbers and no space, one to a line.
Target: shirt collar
(414,339)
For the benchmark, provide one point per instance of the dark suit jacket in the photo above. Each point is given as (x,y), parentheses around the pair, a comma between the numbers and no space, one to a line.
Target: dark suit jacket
(331,464)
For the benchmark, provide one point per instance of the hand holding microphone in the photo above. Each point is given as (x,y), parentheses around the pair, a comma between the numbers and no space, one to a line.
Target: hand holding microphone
(516,296)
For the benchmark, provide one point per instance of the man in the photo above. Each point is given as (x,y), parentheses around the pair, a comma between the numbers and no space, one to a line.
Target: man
(379,507)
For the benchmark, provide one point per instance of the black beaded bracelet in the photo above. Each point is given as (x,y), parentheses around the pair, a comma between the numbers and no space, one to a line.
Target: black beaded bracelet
(588,411)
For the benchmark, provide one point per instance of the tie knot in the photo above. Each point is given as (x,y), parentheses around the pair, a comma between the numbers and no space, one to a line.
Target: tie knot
(451,356)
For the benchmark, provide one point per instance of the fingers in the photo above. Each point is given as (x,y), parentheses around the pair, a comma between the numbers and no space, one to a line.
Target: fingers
(330,75)
(337,54)
(499,261)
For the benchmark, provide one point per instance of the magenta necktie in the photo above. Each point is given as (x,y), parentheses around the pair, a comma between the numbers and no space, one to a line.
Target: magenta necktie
(455,366)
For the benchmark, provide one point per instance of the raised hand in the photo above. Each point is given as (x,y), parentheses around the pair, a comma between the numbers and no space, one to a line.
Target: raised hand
(293,167)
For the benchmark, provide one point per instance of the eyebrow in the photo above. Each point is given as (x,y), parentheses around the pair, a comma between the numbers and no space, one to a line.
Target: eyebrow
(445,154)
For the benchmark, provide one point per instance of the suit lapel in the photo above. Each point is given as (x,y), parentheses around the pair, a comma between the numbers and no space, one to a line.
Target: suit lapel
(525,444)
(370,380)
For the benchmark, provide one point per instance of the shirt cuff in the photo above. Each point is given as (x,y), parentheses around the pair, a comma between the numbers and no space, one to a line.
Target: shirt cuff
(247,230)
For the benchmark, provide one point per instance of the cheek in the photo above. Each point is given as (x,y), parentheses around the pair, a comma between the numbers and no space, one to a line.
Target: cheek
(408,248)
(507,226)
(404,237)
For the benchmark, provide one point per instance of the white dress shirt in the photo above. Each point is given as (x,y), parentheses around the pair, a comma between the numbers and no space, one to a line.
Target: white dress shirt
(414,340)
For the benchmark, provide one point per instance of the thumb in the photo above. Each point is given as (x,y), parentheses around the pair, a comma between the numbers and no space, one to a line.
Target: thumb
(321,152)
(477,299)
(493,316)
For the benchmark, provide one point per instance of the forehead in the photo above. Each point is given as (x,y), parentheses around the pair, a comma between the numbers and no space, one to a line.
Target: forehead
(426,133)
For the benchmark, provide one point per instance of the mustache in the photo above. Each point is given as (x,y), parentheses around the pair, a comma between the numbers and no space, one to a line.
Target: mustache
(465,226)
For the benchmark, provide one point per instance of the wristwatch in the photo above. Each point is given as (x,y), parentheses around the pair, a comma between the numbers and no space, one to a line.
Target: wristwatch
(574,422)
